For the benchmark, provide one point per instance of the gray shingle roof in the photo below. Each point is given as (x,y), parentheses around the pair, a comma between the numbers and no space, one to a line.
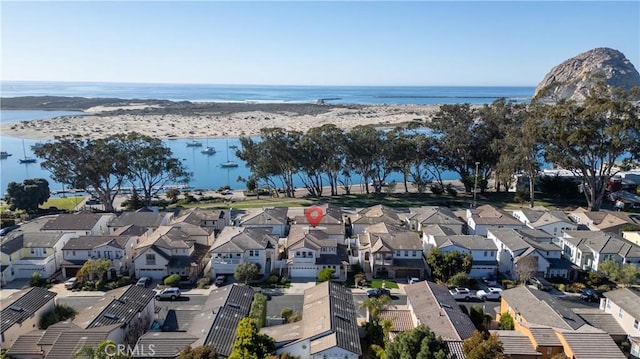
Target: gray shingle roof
(515,343)
(12,245)
(434,307)
(601,320)
(240,239)
(378,214)
(538,307)
(73,222)
(142,219)
(236,303)
(165,344)
(592,345)
(70,342)
(544,336)
(387,236)
(471,242)
(40,239)
(627,299)
(435,215)
(22,305)
(91,242)
(267,216)
(26,344)
(125,308)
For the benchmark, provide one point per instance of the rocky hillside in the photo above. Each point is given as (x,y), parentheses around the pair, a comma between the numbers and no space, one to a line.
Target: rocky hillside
(573,78)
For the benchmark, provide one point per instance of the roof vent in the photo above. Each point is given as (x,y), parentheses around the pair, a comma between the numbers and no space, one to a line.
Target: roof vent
(16,308)
(445,306)
(339,316)
(234,305)
(110,316)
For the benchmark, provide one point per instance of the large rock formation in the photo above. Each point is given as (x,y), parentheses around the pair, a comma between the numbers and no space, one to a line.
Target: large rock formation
(573,78)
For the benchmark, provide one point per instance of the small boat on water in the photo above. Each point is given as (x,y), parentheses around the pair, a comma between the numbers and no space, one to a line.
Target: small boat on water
(26,159)
(228,164)
(194,143)
(209,151)
(233,146)
(4,154)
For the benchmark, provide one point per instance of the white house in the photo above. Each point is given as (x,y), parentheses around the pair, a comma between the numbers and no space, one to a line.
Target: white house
(170,250)
(236,245)
(391,251)
(117,249)
(624,305)
(309,250)
(41,253)
(21,313)
(483,252)
(552,222)
(513,245)
(328,329)
(587,249)
(480,219)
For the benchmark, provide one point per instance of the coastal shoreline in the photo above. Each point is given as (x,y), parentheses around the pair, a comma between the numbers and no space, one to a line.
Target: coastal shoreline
(166,119)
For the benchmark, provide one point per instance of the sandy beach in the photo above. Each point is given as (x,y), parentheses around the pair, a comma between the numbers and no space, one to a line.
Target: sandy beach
(216,120)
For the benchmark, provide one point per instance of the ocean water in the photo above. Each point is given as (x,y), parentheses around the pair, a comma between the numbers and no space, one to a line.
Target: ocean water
(264,93)
(207,173)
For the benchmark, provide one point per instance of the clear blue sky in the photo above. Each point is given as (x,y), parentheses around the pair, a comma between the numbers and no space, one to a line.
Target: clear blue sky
(308,43)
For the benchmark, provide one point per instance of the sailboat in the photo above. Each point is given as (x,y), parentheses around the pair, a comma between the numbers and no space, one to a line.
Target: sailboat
(26,159)
(228,164)
(208,150)
(194,143)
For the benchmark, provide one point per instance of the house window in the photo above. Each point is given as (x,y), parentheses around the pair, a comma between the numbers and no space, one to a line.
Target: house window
(406,253)
(397,253)
(33,251)
(253,253)
(414,253)
(73,253)
(485,253)
(635,324)
(151,259)
(620,313)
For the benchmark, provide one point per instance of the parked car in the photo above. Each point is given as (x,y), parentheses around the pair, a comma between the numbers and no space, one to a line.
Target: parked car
(541,283)
(590,295)
(490,294)
(461,294)
(143,282)
(4,231)
(220,280)
(71,283)
(491,282)
(378,292)
(412,280)
(168,293)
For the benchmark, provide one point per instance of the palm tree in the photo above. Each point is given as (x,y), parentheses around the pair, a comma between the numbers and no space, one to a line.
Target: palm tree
(375,305)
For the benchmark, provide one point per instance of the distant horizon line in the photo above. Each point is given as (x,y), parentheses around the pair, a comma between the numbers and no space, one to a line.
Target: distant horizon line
(239,85)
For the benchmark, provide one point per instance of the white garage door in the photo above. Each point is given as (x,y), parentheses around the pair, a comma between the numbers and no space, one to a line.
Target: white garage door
(152,273)
(303,272)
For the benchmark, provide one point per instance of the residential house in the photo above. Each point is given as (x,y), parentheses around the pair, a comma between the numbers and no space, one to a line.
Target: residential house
(212,220)
(483,252)
(41,253)
(390,251)
(553,328)
(171,250)
(309,250)
(26,346)
(215,324)
(332,222)
(480,219)
(81,223)
(513,245)
(420,218)
(516,345)
(21,313)
(552,222)
(587,249)
(375,215)
(10,251)
(117,249)
(605,221)
(632,236)
(432,305)
(624,305)
(274,218)
(130,308)
(236,245)
(328,328)
(148,220)
(436,230)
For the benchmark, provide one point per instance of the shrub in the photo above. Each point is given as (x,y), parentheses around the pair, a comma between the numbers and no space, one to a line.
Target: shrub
(111,285)
(273,279)
(459,279)
(203,283)
(451,191)
(172,280)
(437,189)
(562,287)
(37,280)
(258,309)
(326,274)
(576,287)
(508,284)
(59,313)
(286,313)
(124,280)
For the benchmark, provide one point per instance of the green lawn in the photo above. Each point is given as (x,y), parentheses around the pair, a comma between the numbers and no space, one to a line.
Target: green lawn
(389,284)
(64,203)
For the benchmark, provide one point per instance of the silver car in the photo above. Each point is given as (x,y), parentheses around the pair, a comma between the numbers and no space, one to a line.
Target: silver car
(168,293)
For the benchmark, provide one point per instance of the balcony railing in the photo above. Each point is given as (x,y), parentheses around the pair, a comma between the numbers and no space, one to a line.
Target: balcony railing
(223,261)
